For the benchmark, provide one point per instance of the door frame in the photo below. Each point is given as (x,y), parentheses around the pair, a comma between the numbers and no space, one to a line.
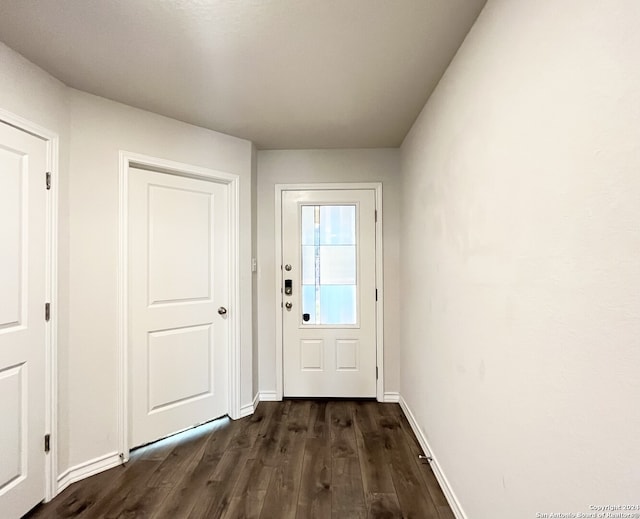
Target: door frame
(376,187)
(51,294)
(135,160)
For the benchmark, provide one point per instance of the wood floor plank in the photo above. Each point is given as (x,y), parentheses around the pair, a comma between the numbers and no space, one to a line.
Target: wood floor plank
(343,437)
(131,491)
(314,500)
(364,417)
(181,499)
(411,439)
(250,428)
(125,476)
(248,506)
(248,494)
(445,512)
(407,480)
(376,474)
(73,501)
(216,498)
(269,443)
(437,496)
(158,451)
(347,491)
(388,409)
(282,495)
(383,506)
(184,495)
(433,487)
(298,418)
(297,458)
(318,420)
(173,467)
(140,503)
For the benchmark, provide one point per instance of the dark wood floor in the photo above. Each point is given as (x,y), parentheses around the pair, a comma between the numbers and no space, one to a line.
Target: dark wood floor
(296,458)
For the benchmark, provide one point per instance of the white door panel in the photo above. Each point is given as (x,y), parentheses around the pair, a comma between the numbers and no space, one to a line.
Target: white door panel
(22,324)
(329,318)
(178,278)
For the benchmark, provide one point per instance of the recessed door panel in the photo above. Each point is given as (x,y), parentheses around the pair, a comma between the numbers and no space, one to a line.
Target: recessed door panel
(180,243)
(12,236)
(311,353)
(172,353)
(347,355)
(13,413)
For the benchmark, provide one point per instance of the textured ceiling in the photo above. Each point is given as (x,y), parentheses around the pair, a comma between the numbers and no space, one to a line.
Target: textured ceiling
(282,73)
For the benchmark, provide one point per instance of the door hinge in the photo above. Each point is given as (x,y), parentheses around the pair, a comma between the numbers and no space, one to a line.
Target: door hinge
(47,311)
(376,294)
(376,372)
(47,442)
(48,180)
(375,215)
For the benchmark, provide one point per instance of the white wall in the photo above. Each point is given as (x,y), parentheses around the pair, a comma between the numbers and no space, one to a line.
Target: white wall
(309,166)
(31,93)
(99,130)
(520,260)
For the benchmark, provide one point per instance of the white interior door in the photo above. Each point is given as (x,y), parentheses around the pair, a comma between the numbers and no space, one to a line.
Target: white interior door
(178,291)
(22,324)
(329,293)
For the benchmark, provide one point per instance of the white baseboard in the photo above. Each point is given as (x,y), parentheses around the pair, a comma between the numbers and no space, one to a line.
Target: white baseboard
(391,397)
(246,410)
(249,409)
(88,468)
(437,471)
(268,396)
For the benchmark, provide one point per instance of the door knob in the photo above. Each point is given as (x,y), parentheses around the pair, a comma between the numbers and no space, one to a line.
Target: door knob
(288,305)
(222,310)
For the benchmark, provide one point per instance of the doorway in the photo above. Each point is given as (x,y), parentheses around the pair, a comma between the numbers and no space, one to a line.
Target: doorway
(179,235)
(329,309)
(28,155)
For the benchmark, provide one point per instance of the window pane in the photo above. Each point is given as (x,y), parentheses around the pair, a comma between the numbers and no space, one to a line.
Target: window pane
(308,224)
(308,265)
(309,303)
(338,264)
(328,256)
(338,225)
(338,304)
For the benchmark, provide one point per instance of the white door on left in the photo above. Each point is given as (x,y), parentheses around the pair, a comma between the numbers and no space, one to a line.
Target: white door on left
(178,294)
(22,325)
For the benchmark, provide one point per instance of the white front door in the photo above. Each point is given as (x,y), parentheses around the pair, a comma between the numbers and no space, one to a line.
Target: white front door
(178,293)
(329,293)
(22,320)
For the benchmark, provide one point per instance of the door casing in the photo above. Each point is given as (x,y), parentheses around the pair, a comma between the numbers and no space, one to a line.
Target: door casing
(128,160)
(377,188)
(51,296)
